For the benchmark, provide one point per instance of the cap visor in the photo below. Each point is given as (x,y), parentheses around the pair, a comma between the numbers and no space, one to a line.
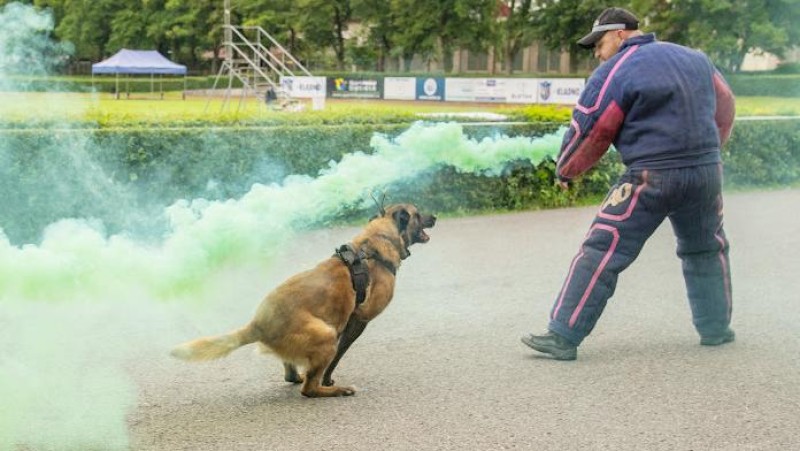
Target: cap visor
(590,39)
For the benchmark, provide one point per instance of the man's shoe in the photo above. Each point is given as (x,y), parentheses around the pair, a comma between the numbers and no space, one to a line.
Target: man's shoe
(716,340)
(553,344)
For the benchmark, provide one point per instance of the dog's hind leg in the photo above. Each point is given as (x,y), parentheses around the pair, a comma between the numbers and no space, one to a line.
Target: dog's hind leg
(320,353)
(290,373)
(351,331)
(312,387)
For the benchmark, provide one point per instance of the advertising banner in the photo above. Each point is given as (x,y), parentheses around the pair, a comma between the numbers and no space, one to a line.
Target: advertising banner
(304,87)
(430,88)
(522,90)
(490,89)
(400,88)
(560,90)
(355,88)
(476,89)
(459,90)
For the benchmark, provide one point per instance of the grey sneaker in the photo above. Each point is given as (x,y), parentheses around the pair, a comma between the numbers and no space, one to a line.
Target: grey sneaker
(553,344)
(716,340)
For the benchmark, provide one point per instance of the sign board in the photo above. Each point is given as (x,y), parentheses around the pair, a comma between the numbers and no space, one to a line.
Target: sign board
(522,90)
(400,88)
(355,88)
(430,88)
(560,90)
(459,90)
(476,89)
(304,87)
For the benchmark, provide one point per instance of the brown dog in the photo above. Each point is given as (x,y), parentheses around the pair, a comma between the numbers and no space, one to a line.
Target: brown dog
(311,319)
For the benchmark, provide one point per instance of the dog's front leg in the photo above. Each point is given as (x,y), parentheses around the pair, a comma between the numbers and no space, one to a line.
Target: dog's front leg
(351,331)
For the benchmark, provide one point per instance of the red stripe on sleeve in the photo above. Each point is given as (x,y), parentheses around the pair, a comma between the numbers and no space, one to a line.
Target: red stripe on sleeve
(726,108)
(592,148)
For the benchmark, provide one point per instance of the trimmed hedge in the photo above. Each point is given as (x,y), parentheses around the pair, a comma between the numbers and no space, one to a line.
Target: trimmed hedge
(764,85)
(763,153)
(48,175)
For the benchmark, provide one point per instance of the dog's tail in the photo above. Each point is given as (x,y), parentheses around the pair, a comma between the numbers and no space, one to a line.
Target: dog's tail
(209,348)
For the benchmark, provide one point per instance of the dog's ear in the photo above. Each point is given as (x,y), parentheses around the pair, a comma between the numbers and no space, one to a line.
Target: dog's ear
(381,209)
(401,218)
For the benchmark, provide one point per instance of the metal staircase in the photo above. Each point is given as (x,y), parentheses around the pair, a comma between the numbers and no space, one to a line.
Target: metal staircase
(257,61)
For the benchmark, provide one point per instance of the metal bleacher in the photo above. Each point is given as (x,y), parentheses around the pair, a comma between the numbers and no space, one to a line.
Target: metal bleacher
(257,61)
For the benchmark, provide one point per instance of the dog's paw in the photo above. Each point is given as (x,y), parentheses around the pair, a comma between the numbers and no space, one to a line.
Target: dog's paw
(293,378)
(328,392)
(346,391)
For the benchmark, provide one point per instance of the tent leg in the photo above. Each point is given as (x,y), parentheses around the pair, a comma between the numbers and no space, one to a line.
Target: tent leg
(228,92)
(213,88)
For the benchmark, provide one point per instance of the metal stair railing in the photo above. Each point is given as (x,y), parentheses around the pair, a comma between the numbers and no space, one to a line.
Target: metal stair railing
(263,33)
(255,65)
(251,65)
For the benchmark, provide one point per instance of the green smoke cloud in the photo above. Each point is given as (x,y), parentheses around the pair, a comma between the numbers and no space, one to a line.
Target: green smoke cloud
(70,305)
(75,258)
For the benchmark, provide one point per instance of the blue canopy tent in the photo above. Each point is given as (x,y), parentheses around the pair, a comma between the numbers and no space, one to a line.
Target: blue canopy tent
(139,62)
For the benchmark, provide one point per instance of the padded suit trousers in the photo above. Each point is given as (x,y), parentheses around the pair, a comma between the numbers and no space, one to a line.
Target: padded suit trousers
(634,208)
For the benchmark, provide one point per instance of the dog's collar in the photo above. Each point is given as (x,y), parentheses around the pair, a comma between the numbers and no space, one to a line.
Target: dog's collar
(388,265)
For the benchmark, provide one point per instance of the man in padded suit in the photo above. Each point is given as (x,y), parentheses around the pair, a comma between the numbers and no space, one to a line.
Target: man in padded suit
(667,111)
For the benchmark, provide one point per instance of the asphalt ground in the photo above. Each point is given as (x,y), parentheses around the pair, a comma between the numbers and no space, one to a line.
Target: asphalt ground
(443,367)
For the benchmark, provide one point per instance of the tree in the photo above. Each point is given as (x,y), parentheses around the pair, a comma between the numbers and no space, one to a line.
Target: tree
(280,18)
(324,24)
(559,24)
(516,31)
(726,29)
(130,23)
(381,19)
(435,30)
(187,28)
(85,23)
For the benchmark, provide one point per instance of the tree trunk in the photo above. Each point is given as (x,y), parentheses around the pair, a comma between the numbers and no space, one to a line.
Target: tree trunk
(385,49)
(446,51)
(407,61)
(510,54)
(339,45)
(381,63)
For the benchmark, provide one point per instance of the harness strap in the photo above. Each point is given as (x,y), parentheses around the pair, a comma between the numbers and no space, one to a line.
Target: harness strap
(356,263)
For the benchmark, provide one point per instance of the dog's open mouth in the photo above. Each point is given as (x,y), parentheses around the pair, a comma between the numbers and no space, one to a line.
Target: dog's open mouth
(427,221)
(421,237)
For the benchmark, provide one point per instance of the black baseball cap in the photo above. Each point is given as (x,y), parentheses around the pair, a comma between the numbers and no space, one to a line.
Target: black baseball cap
(609,19)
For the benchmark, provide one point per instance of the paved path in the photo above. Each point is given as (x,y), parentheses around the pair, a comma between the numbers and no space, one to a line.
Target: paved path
(443,368)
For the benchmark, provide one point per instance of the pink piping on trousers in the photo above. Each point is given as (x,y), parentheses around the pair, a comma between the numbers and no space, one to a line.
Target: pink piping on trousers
(724,266)
(615,233)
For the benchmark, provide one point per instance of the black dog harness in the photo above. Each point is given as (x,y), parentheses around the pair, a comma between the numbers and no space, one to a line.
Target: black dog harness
(357,265)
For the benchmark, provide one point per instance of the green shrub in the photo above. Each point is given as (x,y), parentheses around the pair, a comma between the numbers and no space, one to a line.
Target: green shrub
(542,113)
(767,85)
(788,68)
(763,153)
(48,175)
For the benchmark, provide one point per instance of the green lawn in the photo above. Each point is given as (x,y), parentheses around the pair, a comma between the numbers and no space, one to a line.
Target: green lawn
(104,108)
(768,106)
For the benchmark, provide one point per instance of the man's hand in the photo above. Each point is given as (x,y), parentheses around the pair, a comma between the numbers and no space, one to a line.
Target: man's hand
(563,185)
